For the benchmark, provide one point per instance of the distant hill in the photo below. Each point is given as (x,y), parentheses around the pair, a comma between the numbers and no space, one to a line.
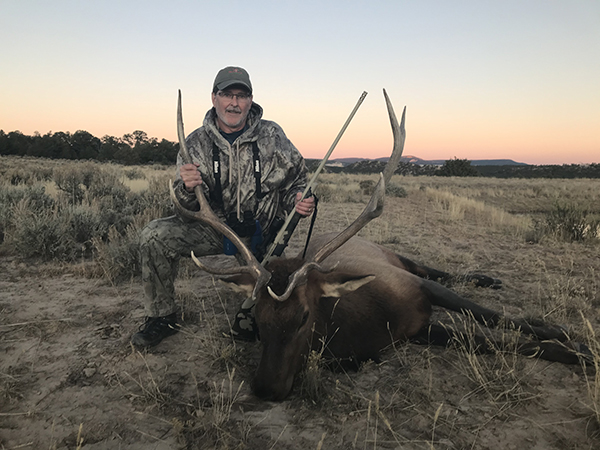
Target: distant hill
(497,168)
(422,162)
(496,162)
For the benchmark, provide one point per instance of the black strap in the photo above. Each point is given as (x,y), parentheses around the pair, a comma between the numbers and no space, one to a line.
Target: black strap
(217,194)
(312,224)
(257,169)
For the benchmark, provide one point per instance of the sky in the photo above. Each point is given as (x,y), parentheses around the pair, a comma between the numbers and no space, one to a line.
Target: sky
(480,79)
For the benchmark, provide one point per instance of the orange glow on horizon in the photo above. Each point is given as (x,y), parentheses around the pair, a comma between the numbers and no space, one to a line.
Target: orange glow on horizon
(430,135)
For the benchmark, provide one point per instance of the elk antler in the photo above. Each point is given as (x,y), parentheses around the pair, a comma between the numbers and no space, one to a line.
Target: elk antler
(207,215)
(399,133)
(373,209)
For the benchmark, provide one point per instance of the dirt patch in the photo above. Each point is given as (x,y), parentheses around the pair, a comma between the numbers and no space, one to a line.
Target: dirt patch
(66,361)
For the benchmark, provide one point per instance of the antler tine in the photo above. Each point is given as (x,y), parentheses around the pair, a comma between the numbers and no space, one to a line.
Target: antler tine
(399,133)
(373,209)
(208,216)
(233,270)
(375,206)
(298,278)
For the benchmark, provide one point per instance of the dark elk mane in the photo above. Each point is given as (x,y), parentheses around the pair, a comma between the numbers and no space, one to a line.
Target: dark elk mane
(281,270)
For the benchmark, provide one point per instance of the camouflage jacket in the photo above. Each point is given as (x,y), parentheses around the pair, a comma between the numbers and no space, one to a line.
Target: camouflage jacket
(283,172)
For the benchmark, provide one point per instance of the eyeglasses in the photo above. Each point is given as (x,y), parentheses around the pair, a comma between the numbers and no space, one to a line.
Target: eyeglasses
(242,97)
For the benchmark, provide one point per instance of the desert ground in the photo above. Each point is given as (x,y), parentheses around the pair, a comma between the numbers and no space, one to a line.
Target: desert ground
(69,378)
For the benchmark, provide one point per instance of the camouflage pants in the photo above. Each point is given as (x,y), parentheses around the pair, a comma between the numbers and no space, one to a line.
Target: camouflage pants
(162,243)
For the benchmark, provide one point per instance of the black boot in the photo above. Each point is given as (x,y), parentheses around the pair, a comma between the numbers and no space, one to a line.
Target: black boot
(154,330)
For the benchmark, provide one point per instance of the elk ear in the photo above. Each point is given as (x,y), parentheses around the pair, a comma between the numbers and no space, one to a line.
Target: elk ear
(337,284)
(243,283)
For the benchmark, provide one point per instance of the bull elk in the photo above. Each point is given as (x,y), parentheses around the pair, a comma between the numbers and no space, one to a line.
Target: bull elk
(351,298)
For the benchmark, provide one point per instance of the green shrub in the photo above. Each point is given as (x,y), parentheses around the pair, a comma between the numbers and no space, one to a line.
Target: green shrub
(96,215)
(86,224)
(18,176)
(134,174)
(394,190)
(119,256)
(69,179)
(333,193)
(117,192)
(157,196)
(572,224)
(89,172)
(391,189)
(35,195)
(42,173)
(458,168)
(367,186)
(10,196)
(117,219)
(42,234)
(566,223)
(27,175)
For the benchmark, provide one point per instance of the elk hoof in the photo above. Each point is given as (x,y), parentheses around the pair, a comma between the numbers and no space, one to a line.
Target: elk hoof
(584,352)
(484,281)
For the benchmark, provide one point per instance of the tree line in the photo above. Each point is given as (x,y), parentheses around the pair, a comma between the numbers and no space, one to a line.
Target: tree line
(463,168)
(451,168)
(138,148)
(542,171)
(132,148)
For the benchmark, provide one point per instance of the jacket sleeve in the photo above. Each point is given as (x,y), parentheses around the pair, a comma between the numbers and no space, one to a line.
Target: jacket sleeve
(296,178)
(186,199)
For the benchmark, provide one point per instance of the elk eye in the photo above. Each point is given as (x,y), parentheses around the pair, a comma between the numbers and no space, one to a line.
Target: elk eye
(304,320)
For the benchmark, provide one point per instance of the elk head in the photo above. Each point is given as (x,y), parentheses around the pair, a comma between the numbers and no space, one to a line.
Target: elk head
(287,307)
(287,294)
(288,291)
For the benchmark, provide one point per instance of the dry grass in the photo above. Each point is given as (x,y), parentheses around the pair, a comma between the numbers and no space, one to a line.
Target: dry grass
(501,376)
(193,391)
(593,381)
(455,208)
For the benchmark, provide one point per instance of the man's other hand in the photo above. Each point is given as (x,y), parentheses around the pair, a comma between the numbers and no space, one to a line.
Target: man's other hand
(305,207)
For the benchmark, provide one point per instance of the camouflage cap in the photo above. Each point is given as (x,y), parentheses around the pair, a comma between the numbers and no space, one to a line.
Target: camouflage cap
(230,76)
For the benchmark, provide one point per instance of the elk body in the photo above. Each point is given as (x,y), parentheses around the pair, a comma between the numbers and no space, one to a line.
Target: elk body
(352,309)
(351,298)
(364,298)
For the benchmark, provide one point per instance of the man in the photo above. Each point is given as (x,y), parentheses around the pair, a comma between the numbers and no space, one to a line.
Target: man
(227,150)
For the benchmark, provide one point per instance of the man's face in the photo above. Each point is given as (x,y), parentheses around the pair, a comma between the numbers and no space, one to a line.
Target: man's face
(232,106)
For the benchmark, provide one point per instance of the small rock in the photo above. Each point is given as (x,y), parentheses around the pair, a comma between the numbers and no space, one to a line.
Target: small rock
(89,372)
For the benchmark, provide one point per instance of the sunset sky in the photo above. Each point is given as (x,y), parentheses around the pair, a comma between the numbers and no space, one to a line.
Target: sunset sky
(516,79)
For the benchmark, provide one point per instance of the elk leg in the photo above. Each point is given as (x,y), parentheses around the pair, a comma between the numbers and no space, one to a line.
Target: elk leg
(440,335)
(446,278)
(439,295)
